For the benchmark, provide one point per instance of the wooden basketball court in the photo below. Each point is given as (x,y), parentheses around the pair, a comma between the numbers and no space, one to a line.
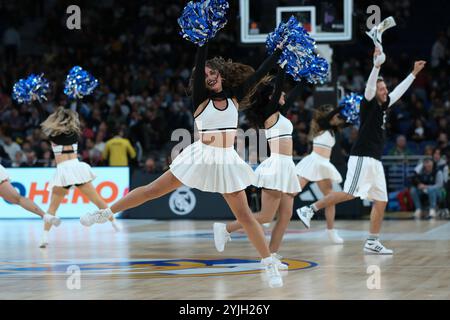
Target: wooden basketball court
(177,260)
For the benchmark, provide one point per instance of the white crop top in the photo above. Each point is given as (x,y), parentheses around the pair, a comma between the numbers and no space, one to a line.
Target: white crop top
(324,140)
(212,119)
(59,149)
(281,129)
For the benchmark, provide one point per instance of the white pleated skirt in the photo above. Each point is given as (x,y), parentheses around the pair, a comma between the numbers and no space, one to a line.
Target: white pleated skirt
(278,173)
(314,167)
(3,174)
(212,169)
(70,173)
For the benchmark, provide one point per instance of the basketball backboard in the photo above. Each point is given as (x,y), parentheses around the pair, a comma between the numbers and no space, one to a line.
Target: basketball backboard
(326,20)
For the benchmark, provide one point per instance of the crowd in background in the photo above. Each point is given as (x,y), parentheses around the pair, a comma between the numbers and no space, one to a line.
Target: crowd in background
(143,66)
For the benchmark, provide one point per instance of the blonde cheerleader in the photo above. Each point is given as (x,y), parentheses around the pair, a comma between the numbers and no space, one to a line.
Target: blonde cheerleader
(62,128)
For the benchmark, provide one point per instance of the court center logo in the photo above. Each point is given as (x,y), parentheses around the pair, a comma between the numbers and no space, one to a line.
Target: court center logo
(144,268)
(182,201)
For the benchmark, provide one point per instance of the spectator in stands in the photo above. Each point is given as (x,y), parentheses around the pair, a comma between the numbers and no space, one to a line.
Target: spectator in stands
(428,150)
(47,160)
(418,131)
(118,149)
(400,148)
(11,43)
(150,166)
(439,161)
(438,51)
(427,182)
(3,155)
(31,161)
(18,159)
(11,147)
(443,143)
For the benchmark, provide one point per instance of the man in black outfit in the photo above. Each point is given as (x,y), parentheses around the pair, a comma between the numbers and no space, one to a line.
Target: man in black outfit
(365,176)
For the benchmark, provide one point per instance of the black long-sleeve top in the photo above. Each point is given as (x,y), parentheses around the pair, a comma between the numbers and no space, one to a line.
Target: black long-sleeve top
(200,93)
(274,106)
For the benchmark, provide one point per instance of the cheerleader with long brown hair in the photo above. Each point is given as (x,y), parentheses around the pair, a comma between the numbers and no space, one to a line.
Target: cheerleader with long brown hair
(276,175)
(212,164)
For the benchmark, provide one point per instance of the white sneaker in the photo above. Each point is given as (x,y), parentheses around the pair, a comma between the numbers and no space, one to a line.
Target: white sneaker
(375,247)
(51,219)
(433,213)
(418,213)
(221,236)
(99,216)
(280,265)
(334,237)
(377,31)
(305,214)
(44,240)
(275,280)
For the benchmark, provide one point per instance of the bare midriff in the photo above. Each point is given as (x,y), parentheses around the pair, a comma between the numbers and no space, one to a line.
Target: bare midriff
(281,146)
(220,139)
(65,156)
(324,152)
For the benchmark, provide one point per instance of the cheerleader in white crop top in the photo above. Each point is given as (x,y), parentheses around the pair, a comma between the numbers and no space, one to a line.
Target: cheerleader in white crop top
(276,175)
(62,129)
(316,167)
(212,164)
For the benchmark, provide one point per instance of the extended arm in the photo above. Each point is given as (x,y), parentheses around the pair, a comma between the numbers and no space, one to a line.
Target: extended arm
(199,93)
(400,90)
(292,97)
(265,67)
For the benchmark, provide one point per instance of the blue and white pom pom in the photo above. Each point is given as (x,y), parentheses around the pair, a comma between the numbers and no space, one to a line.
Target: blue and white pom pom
(33,88)
(315,70)
(200,21)
(299,57)
(350,108)
(79,83)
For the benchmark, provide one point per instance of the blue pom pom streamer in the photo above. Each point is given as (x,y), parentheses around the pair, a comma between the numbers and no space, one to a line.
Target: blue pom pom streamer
(79,83)
(35,87)
(200,21)
(350,108)
(298,58)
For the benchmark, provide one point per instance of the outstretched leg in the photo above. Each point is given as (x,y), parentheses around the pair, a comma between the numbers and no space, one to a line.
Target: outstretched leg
(11,195)
(326,188)
(166,183)
(270,200)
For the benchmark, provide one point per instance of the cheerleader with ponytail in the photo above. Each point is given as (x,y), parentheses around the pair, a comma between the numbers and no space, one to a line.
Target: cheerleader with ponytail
(267,105)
